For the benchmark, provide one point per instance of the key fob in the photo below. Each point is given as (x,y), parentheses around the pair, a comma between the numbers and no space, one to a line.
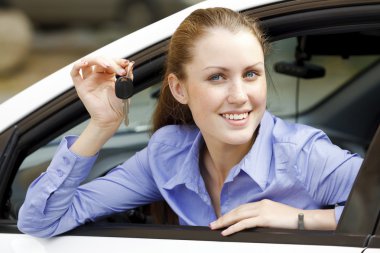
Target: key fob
(124,87)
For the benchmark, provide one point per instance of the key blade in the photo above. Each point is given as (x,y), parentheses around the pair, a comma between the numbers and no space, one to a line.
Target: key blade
(125,112)
(126,120)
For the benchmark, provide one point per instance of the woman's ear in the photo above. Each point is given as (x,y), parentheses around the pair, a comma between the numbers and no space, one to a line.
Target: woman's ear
(177,89)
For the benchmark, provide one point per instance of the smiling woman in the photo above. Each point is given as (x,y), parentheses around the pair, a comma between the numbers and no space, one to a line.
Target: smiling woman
(232,93)
(215,148)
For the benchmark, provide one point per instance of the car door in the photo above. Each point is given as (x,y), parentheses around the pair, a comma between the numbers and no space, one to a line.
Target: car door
(367,189)
(38,131)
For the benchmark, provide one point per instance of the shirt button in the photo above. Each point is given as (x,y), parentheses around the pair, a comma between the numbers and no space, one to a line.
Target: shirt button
(60,173)
(66,160)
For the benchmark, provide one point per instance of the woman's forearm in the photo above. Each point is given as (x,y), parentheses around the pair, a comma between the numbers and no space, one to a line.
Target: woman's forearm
(92,139)
(323,219)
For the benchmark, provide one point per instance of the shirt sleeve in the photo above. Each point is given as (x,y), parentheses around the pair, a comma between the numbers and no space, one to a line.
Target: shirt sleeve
(56,202)
(338,212)
(327,171)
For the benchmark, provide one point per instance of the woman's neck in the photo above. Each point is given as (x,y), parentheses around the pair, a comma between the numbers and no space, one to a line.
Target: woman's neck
(219,159)
(216,163)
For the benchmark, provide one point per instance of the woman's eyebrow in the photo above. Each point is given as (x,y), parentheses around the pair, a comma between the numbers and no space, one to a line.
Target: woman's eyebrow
(215,67)
(226,69)
(255,65)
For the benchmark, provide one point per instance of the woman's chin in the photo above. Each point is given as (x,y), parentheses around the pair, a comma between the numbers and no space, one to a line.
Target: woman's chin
(239,139)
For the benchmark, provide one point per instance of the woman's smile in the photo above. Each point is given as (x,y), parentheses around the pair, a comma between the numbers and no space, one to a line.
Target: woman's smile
(236,118)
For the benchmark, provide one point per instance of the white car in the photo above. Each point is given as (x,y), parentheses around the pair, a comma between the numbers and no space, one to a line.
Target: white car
(324,70)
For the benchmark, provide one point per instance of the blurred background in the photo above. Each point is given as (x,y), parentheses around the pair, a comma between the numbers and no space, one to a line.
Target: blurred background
(38,37)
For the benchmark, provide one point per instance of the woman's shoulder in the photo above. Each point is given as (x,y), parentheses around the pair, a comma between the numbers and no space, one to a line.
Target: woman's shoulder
(294,133)
(304,145)
(175,135)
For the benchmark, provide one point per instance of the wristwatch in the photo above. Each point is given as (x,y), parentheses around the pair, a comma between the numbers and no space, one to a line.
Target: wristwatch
(301,223)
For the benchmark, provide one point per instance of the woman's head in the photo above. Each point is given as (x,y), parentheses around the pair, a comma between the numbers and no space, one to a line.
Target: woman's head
(195,33)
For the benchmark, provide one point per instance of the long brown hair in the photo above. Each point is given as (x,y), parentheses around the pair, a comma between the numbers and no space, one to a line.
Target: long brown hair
(168,110)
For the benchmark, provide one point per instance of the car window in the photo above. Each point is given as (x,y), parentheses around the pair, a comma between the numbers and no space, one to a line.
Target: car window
(282,99)
(338,71)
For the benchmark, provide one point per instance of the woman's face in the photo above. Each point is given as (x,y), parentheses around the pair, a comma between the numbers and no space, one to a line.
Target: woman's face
(226,86)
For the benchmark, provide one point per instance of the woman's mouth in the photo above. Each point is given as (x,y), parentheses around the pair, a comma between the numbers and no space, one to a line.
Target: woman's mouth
(235,116)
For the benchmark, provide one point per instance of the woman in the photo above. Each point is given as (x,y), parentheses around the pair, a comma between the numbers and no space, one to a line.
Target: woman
(217,157)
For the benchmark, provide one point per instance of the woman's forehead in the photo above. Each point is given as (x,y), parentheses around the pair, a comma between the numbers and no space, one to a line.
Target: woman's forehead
(221,45)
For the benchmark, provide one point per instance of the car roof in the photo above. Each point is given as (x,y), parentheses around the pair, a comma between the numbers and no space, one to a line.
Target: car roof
(43,91)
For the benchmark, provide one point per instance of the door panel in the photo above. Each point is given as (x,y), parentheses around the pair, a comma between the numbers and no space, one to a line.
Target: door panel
(24,243)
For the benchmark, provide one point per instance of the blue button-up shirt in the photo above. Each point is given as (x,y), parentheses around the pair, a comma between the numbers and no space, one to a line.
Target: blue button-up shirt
(289,163)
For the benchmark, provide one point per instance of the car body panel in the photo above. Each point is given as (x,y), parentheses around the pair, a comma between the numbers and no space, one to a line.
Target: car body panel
(25,243)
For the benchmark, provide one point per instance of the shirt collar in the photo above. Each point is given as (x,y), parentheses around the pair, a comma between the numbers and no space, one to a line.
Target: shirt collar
(189,173)
(255,164)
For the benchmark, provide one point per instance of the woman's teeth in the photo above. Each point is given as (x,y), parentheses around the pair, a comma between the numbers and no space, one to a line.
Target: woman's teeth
(235,116)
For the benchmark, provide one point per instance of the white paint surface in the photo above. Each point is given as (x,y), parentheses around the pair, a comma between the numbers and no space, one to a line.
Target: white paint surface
(19,243)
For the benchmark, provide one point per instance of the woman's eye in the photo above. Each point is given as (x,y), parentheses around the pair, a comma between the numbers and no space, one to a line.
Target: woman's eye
(216,77)
(250,74)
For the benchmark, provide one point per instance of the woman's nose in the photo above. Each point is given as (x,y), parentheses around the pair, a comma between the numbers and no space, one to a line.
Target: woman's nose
(237,93)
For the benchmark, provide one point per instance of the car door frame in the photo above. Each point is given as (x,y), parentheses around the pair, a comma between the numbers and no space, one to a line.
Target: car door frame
(372,176)
(374,241)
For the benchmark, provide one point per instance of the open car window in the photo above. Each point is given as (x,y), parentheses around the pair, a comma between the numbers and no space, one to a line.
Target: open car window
(339,69)
(283,97)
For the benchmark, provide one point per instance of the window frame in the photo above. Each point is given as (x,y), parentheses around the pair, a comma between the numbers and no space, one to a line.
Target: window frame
(38,128)
(374,241)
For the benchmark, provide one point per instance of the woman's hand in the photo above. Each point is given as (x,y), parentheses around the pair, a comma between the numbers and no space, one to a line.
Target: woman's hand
(94,81)
(267,213)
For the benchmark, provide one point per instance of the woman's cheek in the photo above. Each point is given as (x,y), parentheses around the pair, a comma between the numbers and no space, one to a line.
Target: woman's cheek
(258,94)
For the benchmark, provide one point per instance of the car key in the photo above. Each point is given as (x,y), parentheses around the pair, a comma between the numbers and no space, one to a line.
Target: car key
(124,90)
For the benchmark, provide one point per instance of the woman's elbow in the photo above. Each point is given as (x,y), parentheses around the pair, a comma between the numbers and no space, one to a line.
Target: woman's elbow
(29,224)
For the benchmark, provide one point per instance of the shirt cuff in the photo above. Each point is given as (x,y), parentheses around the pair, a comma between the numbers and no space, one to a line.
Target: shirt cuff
(338,213)
(68,166)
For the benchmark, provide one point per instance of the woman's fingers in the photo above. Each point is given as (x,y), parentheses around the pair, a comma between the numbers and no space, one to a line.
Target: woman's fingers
(242,225)
(76,70)
(123,62)
(129,70)
(240,213)
(264,213)
(87,71)
(99,69)
(114,67)
(87,66)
